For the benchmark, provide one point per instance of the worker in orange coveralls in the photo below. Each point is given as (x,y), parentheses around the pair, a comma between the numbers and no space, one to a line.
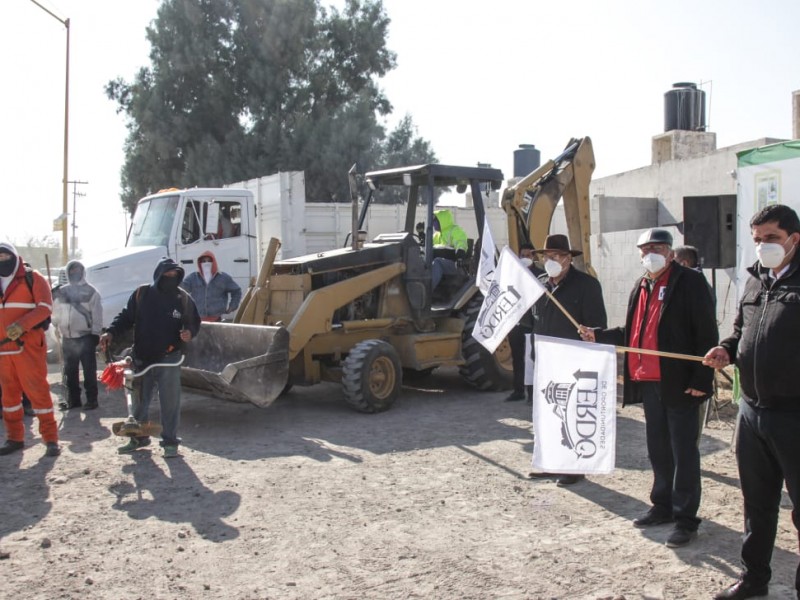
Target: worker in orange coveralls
(25,306)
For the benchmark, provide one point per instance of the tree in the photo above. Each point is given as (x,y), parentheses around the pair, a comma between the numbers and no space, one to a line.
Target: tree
(237,89)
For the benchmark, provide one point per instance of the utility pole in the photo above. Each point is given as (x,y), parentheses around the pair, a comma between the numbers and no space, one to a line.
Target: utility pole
(75,193)
(65,23)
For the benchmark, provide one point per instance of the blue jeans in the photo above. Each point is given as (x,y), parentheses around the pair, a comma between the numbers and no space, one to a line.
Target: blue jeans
(441,267)
(168,382)
(767,451)
(672,446)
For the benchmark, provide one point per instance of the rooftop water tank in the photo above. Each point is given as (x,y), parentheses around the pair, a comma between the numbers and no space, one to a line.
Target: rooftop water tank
(526,160)
(685,108)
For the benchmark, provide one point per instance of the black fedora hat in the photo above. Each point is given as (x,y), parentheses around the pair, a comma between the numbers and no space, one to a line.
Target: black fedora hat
(558,242)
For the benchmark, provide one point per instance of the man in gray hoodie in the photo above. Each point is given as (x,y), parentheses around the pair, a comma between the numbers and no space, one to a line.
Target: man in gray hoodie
(78,314)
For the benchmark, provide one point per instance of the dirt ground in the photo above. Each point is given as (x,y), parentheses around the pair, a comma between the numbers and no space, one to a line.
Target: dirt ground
(308,499)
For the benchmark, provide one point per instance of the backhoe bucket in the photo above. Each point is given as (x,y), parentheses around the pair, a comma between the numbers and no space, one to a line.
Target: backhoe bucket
(242,363)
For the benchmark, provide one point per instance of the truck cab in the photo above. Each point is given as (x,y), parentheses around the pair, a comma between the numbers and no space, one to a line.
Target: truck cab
(180,224)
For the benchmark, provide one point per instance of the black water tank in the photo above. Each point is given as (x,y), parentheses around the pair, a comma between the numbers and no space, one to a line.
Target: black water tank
(526,160)
(685,108)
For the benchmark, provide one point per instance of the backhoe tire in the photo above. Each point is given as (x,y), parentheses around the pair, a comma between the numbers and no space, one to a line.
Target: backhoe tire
(371,376)
(484,371)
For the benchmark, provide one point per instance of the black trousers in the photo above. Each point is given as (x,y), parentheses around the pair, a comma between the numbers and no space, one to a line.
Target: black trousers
(768,453)
(672,446)
(516,340)
(80,352)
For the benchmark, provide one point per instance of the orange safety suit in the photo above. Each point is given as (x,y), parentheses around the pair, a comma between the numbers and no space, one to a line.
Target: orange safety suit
(26,371)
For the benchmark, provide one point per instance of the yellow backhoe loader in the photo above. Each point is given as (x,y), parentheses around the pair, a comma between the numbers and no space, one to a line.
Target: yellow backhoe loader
(365,315)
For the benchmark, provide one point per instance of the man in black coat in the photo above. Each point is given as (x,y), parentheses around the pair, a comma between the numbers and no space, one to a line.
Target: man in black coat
(669,310)
(765,346)
(163,318)
(580,294)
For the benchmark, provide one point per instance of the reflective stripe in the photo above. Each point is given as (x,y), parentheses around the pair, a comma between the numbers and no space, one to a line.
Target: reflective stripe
(46,305)
(19,305)
(14,408)
(42,411)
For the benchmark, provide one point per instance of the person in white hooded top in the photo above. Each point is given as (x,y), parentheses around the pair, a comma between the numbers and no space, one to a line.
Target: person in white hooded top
(78,315)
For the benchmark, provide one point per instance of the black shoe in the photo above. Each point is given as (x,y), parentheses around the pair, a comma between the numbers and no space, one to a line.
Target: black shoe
(52,449)
(680,537)
(542,475)
(29,412)
(11,446)
(563,480)
(90,405)
(63,405)
(741,590)
(652,517)
(515,397)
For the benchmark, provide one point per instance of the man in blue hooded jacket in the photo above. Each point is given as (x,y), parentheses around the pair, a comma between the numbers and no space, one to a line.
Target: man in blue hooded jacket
(163,318)
(214,292)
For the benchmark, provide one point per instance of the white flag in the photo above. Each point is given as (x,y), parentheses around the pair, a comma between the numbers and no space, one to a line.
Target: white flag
(574,406)
(487,263)
(513,291)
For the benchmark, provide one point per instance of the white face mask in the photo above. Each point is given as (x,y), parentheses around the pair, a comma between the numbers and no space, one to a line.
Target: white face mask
(527,262)
(771,255)
(553,267)
(654,262)
(206,268)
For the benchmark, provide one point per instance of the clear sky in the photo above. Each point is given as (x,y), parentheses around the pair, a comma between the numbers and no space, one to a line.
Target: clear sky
(477,77)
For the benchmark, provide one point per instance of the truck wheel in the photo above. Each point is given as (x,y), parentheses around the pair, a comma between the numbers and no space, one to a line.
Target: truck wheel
(486,372)
(371,376)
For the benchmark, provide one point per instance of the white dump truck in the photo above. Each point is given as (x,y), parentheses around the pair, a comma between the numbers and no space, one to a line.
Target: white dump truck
(235,223)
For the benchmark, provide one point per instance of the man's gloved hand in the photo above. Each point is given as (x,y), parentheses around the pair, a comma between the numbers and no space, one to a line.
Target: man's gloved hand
(14,331)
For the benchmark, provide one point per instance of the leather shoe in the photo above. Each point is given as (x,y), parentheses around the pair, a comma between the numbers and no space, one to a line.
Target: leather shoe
(11,446)
(515,397)
(563,480)
(741,590)
(680,537)
(90,405)
(652,517)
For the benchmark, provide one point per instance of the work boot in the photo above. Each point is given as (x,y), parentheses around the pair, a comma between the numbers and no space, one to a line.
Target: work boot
(52,449)
(11,446)
(90,405)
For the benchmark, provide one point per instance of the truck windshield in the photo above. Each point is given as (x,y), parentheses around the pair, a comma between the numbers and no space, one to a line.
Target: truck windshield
(152,221)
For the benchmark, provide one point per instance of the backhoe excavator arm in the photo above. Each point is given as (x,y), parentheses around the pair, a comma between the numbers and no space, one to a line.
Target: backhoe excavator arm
(531,202)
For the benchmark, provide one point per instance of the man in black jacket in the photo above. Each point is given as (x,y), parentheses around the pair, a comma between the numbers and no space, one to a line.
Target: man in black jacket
(766,348)
(580,294)
(669,310)
(163,318)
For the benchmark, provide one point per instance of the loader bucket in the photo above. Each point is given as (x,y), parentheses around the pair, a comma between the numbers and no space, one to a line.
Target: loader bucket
(242,363)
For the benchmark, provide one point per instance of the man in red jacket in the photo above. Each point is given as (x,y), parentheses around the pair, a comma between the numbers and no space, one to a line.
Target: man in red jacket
(671,310)
(25,303)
